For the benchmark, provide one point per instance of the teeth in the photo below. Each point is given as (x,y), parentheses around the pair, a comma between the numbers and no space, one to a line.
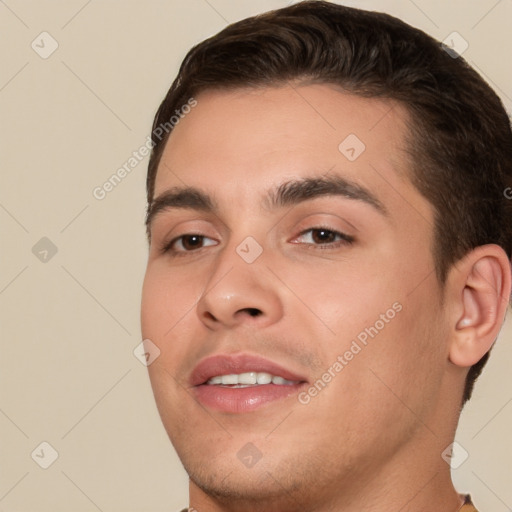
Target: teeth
(264,378)
(229,379)
(249,379)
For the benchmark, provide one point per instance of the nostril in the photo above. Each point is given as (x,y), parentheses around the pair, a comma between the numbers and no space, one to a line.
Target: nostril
(253,311)
(209,316)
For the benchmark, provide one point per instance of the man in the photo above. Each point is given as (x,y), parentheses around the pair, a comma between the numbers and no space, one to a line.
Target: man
(329,261)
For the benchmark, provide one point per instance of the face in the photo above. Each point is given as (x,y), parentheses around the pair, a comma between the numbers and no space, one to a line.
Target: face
(291,291)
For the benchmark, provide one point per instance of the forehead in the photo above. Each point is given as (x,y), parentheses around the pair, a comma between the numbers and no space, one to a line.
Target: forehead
(236,143)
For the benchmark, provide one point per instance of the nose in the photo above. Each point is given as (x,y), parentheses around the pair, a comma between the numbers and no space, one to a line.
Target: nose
(239,293)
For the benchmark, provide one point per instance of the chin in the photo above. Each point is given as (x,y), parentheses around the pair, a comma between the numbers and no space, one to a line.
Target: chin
(255,488)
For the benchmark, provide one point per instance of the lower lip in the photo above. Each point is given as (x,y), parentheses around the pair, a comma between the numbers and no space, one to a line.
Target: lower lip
(238,400)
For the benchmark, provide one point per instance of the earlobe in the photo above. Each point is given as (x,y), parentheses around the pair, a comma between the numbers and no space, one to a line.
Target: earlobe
(483,279)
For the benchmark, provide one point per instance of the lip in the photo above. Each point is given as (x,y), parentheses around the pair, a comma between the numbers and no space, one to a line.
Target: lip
(246,399)
(239,363)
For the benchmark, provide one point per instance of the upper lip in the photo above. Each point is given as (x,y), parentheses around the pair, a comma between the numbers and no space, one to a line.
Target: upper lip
(238,363)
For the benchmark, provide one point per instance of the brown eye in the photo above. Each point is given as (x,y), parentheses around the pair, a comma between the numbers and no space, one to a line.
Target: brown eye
(188,243)
(191,242)
(323,236)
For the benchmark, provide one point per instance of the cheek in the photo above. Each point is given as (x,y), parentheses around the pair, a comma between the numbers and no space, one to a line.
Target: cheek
(389,382)
(386,324)
(408,357)
(347,299)
(167,307)
(168,296)
(168,314)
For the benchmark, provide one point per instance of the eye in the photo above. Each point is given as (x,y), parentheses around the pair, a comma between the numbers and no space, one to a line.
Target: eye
(323,236)
(188,243)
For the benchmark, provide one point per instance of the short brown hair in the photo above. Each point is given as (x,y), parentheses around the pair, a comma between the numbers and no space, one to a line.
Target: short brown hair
(460,145)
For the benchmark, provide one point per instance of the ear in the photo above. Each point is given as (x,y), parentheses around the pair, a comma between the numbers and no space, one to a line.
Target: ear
(480,290)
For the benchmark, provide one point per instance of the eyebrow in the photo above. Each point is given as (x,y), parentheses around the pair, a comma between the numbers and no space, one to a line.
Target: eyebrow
(294,192)
(290,193)
(180,197)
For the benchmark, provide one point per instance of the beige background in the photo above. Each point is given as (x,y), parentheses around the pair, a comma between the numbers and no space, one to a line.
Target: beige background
(69,325)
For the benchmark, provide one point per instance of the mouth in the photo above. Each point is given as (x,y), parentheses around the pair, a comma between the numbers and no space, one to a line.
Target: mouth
(249,379)
(242,383)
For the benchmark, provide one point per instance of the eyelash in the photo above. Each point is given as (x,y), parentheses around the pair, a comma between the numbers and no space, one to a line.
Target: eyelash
(168,247)
(344,240)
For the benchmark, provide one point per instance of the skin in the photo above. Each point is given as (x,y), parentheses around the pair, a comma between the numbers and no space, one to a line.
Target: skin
(372,438)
